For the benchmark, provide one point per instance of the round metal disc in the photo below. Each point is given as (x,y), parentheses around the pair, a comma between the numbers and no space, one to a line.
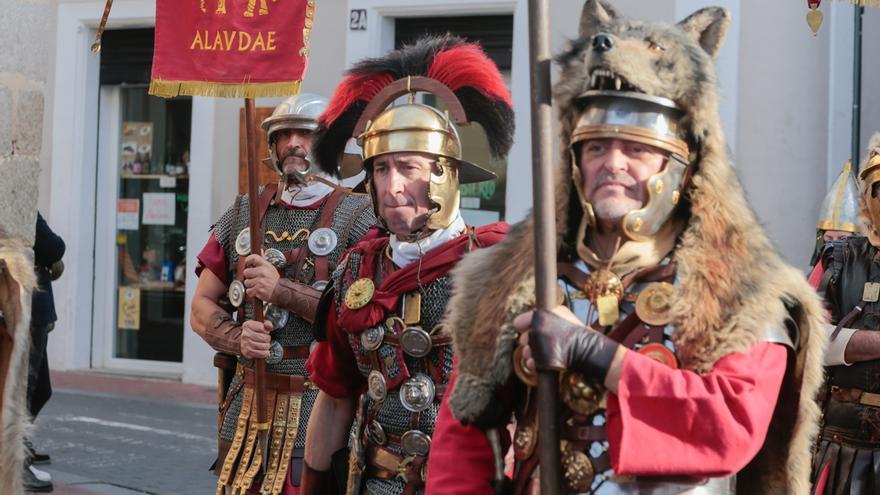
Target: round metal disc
(376,388)
(320,285)
(415,442)
(276,353)
(236,293)
(417,392)
(371,338)
(359,293)
(277,315)
(276,258)
(322,241)
(376,434)
(577,471)
(243,242)
(654,304)
(415,341)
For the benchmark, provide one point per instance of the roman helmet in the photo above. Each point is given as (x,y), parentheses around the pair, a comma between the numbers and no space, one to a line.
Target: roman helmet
(869,175)
(459,75)
(645,119)
(300,111)
(840,208)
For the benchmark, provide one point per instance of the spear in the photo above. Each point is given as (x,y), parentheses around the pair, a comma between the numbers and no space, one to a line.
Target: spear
(545,234)
(262,424)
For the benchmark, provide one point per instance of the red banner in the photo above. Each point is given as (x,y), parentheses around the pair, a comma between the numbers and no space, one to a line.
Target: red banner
(231,48)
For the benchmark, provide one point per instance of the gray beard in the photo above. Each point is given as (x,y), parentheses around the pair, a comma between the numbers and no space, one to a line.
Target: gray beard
(611,211)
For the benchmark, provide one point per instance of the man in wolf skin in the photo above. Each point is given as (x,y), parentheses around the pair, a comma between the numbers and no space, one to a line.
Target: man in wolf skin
(389,295)
(306,226)
(849,279)
(701,353)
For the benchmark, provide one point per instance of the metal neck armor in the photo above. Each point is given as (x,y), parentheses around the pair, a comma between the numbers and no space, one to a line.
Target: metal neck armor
(644,119)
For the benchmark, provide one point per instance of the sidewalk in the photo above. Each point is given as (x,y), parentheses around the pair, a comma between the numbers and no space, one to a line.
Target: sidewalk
(102,390)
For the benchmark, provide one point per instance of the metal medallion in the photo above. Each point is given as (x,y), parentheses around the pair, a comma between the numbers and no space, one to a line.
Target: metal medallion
(578,471)
(654,305)
(322,241)
(276,353)
(660,353)
(527,376)
(276,258)
(320,285)
(415,442)
(277,315)
(236,293)
(524,441)
(417,392)
(359,293)
(578,394)
(416,342)
(376,388)
(376,434)
(243,242)
(371,338)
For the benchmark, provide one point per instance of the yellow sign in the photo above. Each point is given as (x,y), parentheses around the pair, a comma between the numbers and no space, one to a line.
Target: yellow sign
(129,317)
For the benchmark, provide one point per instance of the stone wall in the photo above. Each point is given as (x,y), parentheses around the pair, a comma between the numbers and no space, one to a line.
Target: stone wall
(26,33)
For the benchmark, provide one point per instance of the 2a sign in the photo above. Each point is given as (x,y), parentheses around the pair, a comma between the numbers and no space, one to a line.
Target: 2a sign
(357,20)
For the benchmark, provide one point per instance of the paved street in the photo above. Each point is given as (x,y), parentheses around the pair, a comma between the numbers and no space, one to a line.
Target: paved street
(132,437)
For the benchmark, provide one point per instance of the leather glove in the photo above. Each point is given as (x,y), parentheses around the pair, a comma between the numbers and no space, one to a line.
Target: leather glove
(223,334)
(314,482)
(300,299)
(559,344)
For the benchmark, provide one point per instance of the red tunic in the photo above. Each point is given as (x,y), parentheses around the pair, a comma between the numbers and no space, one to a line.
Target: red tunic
(663,421)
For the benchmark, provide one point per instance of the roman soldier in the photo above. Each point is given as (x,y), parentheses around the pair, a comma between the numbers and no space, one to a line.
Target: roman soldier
(839,214)
(386,358)
(689,351)
(849,279)
(307,222)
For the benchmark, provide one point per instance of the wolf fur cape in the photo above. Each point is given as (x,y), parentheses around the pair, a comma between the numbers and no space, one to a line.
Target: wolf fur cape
(733,283)
(17,281)
(868,228)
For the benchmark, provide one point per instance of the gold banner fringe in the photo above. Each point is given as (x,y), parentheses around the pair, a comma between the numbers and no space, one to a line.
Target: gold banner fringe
(170,89)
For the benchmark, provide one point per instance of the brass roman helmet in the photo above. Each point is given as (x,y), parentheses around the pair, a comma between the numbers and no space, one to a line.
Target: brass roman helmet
(870,175)
(300,111)
(644,119)
(458,74)
(840,208)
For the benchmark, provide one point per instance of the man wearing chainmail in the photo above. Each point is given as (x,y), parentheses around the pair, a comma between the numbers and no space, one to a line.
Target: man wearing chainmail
(306,224)
(848,276)
(388,296)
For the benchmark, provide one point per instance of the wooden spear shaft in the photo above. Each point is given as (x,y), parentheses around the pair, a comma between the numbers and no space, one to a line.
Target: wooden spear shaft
(545,234)
(250,117)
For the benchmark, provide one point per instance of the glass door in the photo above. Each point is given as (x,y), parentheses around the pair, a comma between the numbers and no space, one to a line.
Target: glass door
(141,229)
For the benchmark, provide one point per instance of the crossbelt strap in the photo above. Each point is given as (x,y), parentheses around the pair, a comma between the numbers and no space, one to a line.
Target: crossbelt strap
(285,384)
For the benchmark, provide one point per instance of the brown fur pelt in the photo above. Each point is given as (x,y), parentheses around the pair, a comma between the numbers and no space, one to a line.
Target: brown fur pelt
(17,282)
(869,230)
(733,283)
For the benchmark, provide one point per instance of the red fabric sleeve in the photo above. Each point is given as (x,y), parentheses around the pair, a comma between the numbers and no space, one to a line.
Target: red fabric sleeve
(213,258)
(816,275)
(666,421)
(332,365)
(461,460)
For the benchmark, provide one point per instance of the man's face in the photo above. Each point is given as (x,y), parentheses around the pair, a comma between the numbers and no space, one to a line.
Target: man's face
(614,172)
(835,235)
(401,184)
(291,147)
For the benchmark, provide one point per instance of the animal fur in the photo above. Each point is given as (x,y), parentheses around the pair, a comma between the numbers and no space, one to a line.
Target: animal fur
(14,417)
(733,282)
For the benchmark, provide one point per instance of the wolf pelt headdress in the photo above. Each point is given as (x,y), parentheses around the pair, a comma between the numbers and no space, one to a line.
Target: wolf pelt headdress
(17,281)
(868,228)
(733,283)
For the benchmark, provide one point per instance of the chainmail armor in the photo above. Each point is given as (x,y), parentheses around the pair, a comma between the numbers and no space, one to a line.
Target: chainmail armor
(390,413)
(350,221)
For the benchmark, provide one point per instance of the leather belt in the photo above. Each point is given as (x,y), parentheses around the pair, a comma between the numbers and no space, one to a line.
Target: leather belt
(855,395)
(384,464)
(436,340)
(285,384)
(296,352)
